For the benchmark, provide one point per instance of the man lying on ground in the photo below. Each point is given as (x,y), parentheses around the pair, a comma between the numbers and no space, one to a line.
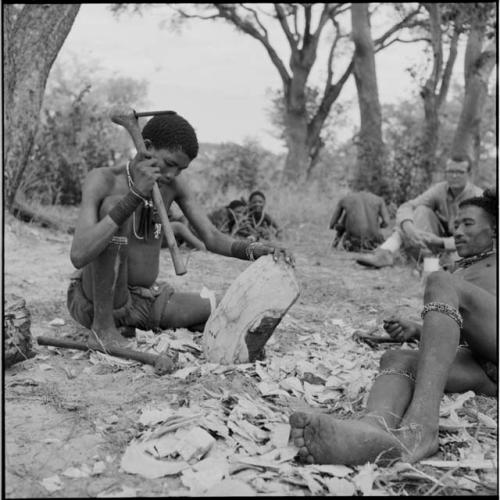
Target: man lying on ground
(402,415)
(424,225)
(117,240)
(357,220)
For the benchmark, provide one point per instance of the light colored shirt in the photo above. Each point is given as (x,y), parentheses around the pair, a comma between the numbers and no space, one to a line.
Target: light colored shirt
(441,201)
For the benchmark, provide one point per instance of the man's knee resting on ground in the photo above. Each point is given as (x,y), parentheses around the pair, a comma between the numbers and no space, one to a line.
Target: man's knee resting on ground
(398,359)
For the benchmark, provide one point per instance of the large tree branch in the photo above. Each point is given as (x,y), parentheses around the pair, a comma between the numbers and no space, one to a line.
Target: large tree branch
(281,15)
(329,67)
(404,23)
(185,15)
(329,97)
(228,12)
(307,25)
(401,40)
(448,69)
(437,46)
(256,18)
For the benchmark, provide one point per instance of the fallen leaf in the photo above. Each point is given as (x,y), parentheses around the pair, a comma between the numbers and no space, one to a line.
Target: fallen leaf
(163,447)
(365,477)
(333,470)
(45,366)
(271,389)
(280,434)
(452,404)
(152,416)
(52,483)
(199,482)
(189,372)
(230,488)
(99,468)
(461,464)
(339,487)
(74,473)
(125,492)
(292,384)
(195,444)
(487,421)
(214,424)
(136,461)
(57,322)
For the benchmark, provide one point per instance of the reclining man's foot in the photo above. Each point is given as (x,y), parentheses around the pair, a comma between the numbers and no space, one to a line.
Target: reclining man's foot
(418,441)
(377,259)
(104,338)
(325,440)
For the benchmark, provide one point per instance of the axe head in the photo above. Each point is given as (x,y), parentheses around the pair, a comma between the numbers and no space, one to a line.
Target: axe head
(123,115)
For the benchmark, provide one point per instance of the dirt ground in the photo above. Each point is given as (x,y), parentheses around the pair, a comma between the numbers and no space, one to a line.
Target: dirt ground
(66,409)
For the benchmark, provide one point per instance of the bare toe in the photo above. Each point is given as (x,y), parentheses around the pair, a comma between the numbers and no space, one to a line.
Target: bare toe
(299,419)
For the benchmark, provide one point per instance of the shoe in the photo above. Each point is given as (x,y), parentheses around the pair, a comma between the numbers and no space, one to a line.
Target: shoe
(379,258)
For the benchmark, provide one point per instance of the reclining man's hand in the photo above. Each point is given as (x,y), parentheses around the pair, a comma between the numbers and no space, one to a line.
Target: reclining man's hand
(401,329)
(278,252)
(433,241)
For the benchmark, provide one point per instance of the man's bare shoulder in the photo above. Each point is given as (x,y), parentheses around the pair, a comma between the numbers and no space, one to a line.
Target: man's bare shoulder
(104,179)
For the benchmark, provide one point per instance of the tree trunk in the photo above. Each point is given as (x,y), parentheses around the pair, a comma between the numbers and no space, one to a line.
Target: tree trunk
(297,158)
(368,172)
(33,36)
(478,67)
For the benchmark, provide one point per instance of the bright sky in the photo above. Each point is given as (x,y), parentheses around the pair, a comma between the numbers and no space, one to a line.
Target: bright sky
(210,74)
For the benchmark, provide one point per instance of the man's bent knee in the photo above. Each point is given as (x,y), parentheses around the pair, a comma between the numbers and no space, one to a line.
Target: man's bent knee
(398,359)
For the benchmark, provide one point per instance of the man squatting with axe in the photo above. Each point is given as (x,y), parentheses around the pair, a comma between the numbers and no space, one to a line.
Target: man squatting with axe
(117,240)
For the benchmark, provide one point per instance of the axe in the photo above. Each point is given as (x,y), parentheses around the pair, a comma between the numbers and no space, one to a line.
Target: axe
(127,118)
(162,364)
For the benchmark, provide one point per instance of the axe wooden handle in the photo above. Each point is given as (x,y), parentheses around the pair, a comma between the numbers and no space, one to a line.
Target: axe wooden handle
(119,352)
(127,118)
(179,266)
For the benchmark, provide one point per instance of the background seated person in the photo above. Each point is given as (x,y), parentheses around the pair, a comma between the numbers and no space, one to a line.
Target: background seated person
(402,415)
(424,225)
(358,218)
(263,226)
(232,219)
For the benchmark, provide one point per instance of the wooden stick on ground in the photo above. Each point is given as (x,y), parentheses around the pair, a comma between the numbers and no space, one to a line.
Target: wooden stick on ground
(120,352)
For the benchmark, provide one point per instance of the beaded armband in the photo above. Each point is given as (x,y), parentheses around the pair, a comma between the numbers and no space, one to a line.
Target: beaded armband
(119,240)
(243,250)
(443,308)
(393,371)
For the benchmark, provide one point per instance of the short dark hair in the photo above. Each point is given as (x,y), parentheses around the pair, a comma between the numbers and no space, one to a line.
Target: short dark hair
(255,193)
(462,159)
(487,201)
(236,203)
(171,131)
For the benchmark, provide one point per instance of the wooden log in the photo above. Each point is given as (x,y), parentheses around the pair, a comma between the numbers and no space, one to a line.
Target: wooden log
(249,312)
(17,342)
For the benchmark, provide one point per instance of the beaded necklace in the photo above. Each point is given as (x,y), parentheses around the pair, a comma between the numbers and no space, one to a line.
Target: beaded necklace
(468,261)
(148,214)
